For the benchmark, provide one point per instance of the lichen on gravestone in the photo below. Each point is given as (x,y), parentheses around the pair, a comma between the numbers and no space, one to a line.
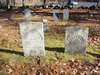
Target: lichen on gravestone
(76,39)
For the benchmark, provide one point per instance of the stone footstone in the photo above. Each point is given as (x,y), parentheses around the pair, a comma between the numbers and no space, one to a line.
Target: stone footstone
(32,36)
(45,25)
(76,39)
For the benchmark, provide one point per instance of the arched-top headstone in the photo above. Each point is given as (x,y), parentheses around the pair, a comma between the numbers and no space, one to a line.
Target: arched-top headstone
(27,14)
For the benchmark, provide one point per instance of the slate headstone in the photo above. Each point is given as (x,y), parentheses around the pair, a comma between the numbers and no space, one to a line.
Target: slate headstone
(65,14)
(56,15)
(76,39)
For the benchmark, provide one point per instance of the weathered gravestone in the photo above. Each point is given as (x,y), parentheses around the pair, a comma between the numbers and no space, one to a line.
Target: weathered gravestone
(32,36)
(45,25)
(76,39)
(65,14)
(56,15)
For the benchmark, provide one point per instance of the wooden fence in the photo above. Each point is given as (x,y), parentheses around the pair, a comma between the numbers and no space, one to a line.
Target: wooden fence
(19,3)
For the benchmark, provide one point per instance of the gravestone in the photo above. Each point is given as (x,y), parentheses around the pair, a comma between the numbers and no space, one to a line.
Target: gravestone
(65,14)
(56,15)
(32,36)
(27,15)
(76,39)
(45,25)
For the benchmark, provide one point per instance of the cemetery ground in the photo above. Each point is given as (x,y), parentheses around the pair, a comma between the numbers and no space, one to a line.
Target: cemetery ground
(56,62)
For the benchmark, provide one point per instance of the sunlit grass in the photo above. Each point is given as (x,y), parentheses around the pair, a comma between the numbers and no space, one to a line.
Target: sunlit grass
(52,40)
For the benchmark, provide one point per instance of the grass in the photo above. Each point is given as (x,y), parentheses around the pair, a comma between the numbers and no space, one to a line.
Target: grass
(50,58)
(54,44)
(94,49)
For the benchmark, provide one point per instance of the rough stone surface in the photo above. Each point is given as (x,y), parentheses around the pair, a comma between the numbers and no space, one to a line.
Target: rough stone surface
(45,25)
(32,38)
(65,14)
(56,15)
(27,15)
(76,39)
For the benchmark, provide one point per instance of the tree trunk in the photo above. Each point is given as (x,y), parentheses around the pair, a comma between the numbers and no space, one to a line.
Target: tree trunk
(23,3)
(7,3)
(44,1)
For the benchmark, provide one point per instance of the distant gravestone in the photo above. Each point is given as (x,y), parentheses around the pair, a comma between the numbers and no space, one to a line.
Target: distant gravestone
(32,36)
(56,15)
(27,15)
(76,39)
(45,25)
(65,14)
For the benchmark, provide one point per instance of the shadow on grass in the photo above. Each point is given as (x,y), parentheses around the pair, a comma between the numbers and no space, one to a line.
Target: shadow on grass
(11,51)
(57,49)
(94,54)
(61,49)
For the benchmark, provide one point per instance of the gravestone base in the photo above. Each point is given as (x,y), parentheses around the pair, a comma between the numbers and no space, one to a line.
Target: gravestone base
(32,36)
(76,39)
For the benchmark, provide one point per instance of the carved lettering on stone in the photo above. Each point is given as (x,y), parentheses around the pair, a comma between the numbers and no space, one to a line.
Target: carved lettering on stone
(76,39)
(32,36)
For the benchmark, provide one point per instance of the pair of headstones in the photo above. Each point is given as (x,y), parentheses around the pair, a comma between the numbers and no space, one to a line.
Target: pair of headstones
(32,35)
(56,15)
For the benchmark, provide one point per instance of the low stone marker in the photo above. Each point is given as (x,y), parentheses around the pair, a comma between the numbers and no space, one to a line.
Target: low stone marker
(45,25)
(32,36)
(65,14)
(76,39)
